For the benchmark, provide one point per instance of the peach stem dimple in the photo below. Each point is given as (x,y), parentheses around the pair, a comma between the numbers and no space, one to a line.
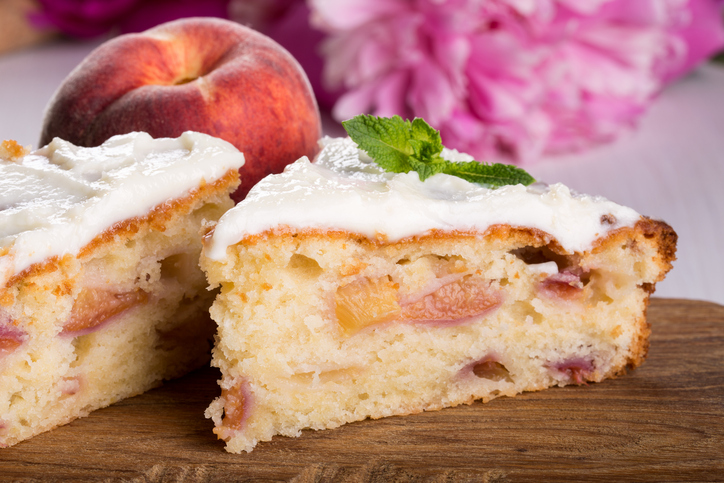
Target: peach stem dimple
(184,80)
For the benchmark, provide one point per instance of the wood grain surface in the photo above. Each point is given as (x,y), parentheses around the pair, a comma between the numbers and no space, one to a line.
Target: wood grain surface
(661,422)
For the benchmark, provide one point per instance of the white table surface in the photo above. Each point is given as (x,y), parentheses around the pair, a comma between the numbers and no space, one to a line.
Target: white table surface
(670,168)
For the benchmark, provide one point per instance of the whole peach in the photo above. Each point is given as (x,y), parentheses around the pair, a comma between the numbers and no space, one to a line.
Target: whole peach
(200,74)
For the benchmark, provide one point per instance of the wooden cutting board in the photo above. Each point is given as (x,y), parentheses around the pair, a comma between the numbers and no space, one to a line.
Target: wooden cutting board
(661,422)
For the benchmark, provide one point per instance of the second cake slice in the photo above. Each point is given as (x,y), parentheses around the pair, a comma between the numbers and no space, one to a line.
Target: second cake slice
(101,296)
(348,292)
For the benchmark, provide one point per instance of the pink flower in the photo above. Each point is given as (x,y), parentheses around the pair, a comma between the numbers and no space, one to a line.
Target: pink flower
(512,78)
(91,18)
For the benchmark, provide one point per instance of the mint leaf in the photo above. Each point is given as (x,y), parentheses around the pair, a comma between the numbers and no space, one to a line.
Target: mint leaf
(425,169)
(491,175)
(385,139)
(425,140)
(401,146)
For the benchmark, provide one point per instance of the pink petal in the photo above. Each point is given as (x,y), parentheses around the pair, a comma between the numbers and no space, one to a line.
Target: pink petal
(353,102)
(350,14)
(389,96)
(431,95)
(703,35)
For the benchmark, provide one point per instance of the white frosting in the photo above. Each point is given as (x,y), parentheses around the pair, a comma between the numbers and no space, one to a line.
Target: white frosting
(57,199)
(545,268)
(345,190)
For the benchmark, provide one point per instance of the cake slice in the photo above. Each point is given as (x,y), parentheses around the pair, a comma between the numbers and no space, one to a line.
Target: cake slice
(101,296)
(348,292)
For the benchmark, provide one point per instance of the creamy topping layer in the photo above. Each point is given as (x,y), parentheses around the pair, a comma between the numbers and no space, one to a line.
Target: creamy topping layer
(57,199)
(345,190)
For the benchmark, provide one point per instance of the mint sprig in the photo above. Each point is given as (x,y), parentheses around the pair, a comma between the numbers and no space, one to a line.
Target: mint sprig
(402,146)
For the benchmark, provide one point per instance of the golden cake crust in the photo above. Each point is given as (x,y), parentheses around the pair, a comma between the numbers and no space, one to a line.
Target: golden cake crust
(155,219)
(658,232)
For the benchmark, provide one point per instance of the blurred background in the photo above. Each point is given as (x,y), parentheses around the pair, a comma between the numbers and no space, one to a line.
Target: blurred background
(618,98)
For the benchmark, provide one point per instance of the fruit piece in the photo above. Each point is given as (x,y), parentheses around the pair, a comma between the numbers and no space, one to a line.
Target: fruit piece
(198,74)
(10,337)
(237,405)
(577,369)
(563,285)
(455,302)
(366,302)
(9,342)
(93,307)
(70,386)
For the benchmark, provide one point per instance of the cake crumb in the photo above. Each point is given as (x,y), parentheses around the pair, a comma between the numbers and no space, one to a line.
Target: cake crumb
(608,219)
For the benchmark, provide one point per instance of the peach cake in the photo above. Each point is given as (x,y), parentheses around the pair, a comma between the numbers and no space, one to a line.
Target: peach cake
(101,296)
(372,294)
